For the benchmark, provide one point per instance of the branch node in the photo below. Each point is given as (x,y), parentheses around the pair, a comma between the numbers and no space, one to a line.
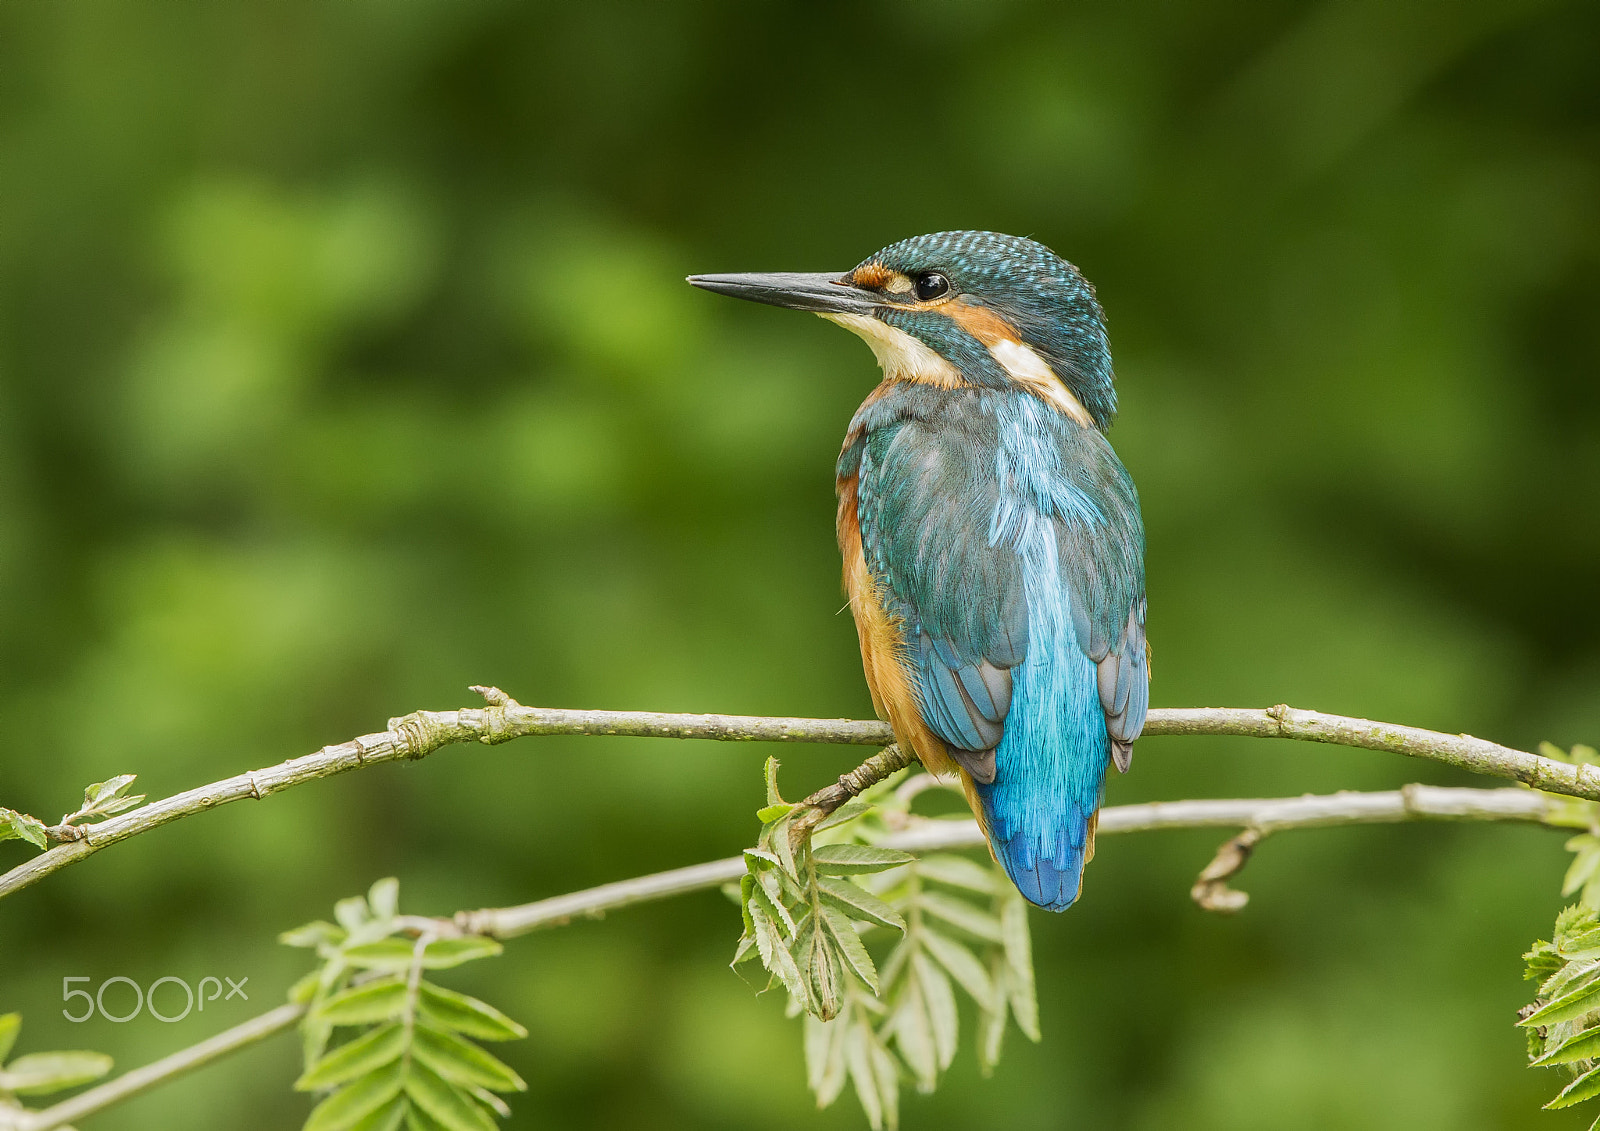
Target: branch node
(494,696)
(1211,890)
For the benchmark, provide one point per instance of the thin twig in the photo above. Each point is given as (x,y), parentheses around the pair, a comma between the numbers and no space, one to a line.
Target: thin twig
(418,734)
(821,804)
(1413,803)
(130,1084)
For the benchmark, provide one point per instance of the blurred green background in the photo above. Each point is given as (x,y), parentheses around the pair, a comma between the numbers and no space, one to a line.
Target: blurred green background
(345,361)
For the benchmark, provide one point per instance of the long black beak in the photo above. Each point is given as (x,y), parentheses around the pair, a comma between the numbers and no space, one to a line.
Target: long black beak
(823,294)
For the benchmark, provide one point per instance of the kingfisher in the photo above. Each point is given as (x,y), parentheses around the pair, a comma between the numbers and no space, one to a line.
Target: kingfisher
(992,541)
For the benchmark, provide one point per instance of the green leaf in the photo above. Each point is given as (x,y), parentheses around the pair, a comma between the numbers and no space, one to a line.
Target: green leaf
(20,826)
(914,1034)
(444,1102)
(386,1118)
(770,771)
(446,1009)
(851,947)
(1019,964)
(888,1074)
(958,871)
(941,1002)
(825,1067)
(393,954)
(762,896)
(10,1026)
(442,954)
(859,903)
(851,859)
(462,1062)
(844,814)
(379,1000)
(101,791)
(39,1073)
(755,859)
(1574,1003)
(772,812)
(313,934)
(372,1050)
(356,1100)
(959,913)
(962,965)
(1582,1046)
(351,913)
(776,956)
(384,898)
(992,1023)
(824,972)
(859,1050)
(1583,1088)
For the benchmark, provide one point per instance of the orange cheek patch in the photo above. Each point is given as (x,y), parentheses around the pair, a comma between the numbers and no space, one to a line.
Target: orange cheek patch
(979,321)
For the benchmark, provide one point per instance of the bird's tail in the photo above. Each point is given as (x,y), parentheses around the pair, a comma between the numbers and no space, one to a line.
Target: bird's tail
(1045,860)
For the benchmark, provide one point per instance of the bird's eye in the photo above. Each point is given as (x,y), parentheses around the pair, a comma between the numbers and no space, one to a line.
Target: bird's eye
(931,284)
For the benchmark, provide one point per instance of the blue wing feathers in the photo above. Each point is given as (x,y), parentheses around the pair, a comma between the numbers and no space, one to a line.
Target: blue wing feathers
(1009,545)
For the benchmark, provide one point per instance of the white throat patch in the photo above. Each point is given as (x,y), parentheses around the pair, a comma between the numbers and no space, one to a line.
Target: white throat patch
(902,357)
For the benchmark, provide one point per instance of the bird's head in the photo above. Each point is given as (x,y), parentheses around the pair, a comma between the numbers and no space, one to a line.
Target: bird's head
(963,309)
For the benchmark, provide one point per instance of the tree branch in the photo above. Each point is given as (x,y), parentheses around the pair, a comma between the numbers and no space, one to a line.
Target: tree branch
(1413,802)
(130,1084)
(418,734)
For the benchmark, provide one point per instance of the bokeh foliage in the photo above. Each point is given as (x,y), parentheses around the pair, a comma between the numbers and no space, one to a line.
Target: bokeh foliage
(345,362)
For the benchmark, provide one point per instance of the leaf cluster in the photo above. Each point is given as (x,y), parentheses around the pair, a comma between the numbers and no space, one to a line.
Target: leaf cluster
(810,910)
(101,800)
(41,1073)
(412,1060)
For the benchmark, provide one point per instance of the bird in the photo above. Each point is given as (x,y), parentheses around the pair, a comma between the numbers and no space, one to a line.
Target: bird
(993,543)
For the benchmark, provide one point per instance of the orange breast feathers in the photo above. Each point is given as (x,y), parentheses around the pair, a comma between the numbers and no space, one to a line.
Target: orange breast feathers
(883,650)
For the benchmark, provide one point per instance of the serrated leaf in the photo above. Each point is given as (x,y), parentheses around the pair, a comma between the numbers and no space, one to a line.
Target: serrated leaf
(442,954)
(776,911)
(853,859)
(380,1000)
(844,814)
(389,1117)
(859,903)
(1583,1088)
(356,1100)
(462,1062)
(746,948)
(770,772)
(958,871)
(825,1066)
(777,838)
(962,965)
(823,972)
(864,1074)
(102,791)
(42,1072)
(940,1000)
(21,826)
(959,913)
(992,1023)
(383,898)
(1573,1003)
(777,957)
(913,1033)
(1019,980)
(10,1026)
(370,1051)
(1581,1046)
(119,804)
(771,813)
(446,1009)
(887,1072)
(851,948)
(444,1101)
(313,934)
